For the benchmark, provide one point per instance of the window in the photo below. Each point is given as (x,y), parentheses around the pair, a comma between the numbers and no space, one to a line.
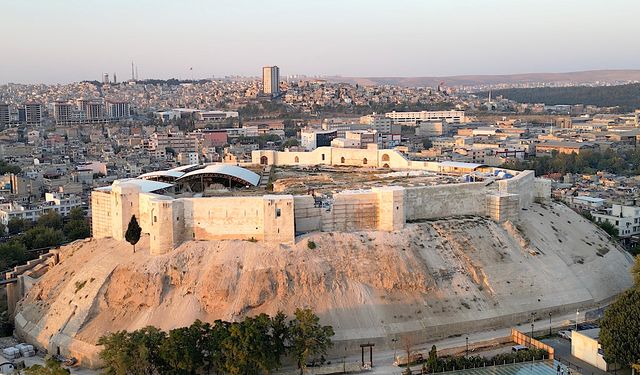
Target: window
(322,156)
(155,219)
(278,212)
(364,161)
(297,159)
(342,160)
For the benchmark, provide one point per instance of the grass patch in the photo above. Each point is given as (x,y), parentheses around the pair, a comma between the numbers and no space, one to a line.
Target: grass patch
(80,285)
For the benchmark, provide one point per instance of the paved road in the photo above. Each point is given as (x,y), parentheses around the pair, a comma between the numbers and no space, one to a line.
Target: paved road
(383,360)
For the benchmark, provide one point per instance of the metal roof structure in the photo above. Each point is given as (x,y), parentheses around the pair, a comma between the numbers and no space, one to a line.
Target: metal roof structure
(146,186)
(183,167)
(233,172)
(170,173)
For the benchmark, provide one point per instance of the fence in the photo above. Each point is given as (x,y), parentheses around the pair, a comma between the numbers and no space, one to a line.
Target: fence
(522,339)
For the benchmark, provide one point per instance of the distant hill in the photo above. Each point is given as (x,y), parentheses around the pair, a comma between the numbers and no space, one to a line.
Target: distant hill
(627,97)
(591,76)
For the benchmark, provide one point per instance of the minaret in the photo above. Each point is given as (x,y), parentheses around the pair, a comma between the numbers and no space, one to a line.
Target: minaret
(133,77)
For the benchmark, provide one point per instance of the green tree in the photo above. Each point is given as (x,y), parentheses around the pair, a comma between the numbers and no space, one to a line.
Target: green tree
(16,225)
(432,360)
(8,168)
(135,353)
(3,230)
(182,351)
(40,237)
(308,337)
(51,219)
(76,229)
(609,228)
(281,336)
(11,254)
(248,348)
(620,329)
(132,235)
(51,367)
(77,213)
(116,353)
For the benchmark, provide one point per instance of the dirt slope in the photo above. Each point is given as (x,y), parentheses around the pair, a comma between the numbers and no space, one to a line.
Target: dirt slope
(445,273)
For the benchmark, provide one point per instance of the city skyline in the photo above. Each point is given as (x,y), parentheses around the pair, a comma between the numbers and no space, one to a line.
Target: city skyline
(195,39)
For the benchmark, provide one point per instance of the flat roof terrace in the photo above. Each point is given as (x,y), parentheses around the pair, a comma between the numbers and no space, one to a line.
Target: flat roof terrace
(327,179)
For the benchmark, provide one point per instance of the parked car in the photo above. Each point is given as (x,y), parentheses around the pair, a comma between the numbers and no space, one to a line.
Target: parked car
(517,348)
(565,334)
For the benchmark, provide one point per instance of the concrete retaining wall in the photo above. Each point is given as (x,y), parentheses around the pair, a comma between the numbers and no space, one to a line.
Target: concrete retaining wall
(432,202)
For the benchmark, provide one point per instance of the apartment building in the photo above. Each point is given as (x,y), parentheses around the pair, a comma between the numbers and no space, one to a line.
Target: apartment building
(33,113)
(625,218)
(414,118)
(5,114)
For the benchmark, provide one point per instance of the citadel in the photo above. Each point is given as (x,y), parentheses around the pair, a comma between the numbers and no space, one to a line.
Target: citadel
(225,201)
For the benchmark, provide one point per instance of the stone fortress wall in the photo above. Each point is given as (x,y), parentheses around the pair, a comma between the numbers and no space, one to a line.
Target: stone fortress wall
(279,218)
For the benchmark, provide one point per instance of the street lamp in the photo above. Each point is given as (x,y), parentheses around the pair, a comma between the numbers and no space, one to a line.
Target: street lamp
(344,361)
(549,323)
(394,341)
(577,314)
(532,331)
(467,339)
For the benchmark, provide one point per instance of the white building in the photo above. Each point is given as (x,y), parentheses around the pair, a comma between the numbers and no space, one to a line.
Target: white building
(117,109)
(311,139)
(625,218)
(586,347)
(57,202)
(584,202)
(413,118)
(215,115)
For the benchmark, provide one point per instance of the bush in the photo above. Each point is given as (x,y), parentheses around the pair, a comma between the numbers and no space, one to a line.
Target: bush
(311,245)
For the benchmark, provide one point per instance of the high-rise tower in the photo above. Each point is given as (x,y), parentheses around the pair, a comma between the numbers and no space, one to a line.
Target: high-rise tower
(271,80)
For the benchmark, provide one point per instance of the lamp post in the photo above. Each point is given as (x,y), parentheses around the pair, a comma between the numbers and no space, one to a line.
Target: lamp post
(467,339)
(577,314)
(532,331)
(549,323)
(394,341)
(344,361)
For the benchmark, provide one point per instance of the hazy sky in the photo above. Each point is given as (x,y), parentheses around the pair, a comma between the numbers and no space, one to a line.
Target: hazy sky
(71,40)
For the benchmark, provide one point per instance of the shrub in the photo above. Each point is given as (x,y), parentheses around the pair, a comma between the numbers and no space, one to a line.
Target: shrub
(311,245)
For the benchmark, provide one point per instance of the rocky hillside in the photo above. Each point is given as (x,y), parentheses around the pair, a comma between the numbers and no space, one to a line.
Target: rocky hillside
(459,273)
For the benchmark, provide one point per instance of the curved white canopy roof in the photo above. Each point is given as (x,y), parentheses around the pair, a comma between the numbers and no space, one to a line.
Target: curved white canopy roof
(226,169)
(169,173)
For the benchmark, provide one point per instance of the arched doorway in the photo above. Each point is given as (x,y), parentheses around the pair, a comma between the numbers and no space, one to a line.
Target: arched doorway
(364,161)
(342,160)
(385,157)
(296,159)
(264,160)
(385,165)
